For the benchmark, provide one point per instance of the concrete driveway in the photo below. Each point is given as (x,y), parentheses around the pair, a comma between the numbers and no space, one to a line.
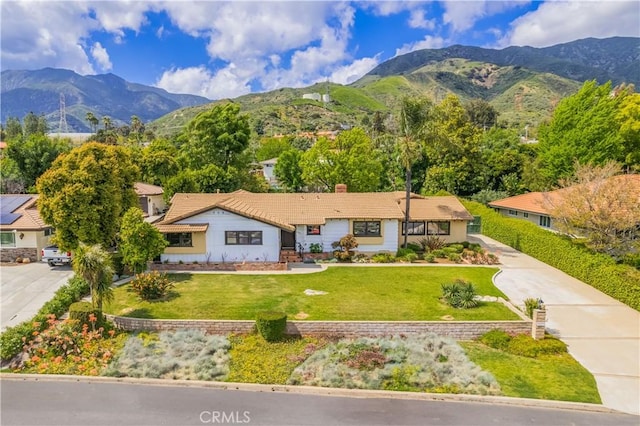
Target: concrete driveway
(25,288)
(601,333)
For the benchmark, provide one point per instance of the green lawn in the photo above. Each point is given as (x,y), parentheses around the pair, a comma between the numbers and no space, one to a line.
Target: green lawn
(556,377)
(363,293)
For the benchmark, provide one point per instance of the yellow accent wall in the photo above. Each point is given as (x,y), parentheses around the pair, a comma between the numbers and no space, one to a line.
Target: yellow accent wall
(457,233)
(198,239)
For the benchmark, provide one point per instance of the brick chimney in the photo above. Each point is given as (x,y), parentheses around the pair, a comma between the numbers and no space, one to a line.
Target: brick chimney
(341,188)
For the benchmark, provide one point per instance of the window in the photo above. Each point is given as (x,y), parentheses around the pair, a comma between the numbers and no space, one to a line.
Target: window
(438,228)
(513,213)
(525,214)
(179,239)
(366,228)
(48,232)
(245,238)
(545,221)
(8,239)
(313,229)
(415,228)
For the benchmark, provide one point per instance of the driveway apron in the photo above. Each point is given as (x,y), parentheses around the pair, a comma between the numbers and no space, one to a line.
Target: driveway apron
(602,333)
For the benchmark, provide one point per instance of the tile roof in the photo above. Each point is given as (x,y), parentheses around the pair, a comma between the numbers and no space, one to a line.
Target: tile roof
(142,188)
(182,228)
(540,202)
(285,210)
(29,219)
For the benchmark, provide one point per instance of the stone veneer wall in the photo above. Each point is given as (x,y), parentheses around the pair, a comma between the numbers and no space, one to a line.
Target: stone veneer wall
(462,330)
(11,254)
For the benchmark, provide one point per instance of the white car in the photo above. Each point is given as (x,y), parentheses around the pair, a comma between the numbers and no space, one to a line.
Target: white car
(53,256)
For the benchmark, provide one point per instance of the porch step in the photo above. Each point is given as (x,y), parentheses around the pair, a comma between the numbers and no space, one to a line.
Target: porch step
(290,256)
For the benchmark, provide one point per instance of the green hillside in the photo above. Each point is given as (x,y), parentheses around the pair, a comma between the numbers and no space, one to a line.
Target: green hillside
(521,96)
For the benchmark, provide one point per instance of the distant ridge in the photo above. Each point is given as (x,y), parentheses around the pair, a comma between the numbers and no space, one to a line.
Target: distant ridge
(103,95)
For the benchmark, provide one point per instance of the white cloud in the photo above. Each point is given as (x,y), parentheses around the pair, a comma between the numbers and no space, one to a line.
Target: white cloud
(101,56)
(388,8)
(429,42)
(560,22)
(462,15)
(201,81)
(418,19)
(347,74)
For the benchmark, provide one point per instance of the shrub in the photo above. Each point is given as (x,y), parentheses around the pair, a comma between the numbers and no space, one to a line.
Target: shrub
(497,339)
(409,257)
(315,248)
(402,252)
(85,313)
(271,325)
(430,257)
(531,304)
(118,265)
(439,253)
(460,294)
(454,257)
(152,285)
(457,247)
(431,242)
(600,271)
(525,345)
(345,247)
(360,258)
(415,247)
(383,258)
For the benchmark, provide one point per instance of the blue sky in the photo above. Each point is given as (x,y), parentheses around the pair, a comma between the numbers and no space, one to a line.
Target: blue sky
(226,49)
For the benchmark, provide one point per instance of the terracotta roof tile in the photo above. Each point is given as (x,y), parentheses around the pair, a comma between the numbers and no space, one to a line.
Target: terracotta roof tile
(142,188)
(288,210)
(182,228)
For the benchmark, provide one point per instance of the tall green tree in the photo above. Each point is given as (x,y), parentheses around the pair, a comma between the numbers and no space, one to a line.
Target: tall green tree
(13,129)
(583,129)
(629,118)
(349,159)
(86,192)
(289,171)
(140,241)
(272,148)
(35,125)
(35,155)
(159,162)
(93,264)
(218,136)
(453,152)
(481,113)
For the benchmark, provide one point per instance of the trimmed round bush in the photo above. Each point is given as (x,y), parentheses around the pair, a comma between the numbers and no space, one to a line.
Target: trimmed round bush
(151,285)
(271,325)
(497,339)
(82,312)
(525,345)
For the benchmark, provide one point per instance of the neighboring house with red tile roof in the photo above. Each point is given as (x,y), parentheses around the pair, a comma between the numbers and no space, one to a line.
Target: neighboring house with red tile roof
(536,206)
(245,226)
(23,233)
(151,199)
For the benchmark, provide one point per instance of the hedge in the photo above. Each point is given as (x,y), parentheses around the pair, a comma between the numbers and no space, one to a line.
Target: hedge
(622,282)
(271,325)
(11,339)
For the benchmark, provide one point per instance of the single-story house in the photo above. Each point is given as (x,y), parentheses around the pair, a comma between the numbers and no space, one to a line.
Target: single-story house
(23,233)
(536,206)
(151,199)
(244,226)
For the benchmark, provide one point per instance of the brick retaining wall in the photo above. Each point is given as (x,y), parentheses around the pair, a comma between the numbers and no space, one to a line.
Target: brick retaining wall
(461,330)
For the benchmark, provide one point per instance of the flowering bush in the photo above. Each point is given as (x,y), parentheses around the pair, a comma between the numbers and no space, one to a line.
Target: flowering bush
(150,286)
(61,349)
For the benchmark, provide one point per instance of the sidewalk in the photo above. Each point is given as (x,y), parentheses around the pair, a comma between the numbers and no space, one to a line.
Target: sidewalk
(601,333)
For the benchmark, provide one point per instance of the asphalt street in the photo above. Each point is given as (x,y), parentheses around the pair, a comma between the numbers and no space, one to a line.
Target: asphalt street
(30,402)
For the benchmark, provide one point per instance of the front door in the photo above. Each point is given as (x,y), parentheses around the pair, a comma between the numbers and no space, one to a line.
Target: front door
(287,240)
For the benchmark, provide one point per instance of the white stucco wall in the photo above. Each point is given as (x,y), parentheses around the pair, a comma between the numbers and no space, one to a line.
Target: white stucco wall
(220,221)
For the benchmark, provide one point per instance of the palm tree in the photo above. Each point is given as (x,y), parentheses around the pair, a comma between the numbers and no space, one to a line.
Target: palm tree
(93,264)
(415,114)
(93,121)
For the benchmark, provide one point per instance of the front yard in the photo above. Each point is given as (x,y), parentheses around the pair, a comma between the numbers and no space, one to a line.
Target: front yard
(352,293)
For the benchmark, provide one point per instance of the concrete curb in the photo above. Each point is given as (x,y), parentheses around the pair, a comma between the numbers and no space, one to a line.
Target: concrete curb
(321,391)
